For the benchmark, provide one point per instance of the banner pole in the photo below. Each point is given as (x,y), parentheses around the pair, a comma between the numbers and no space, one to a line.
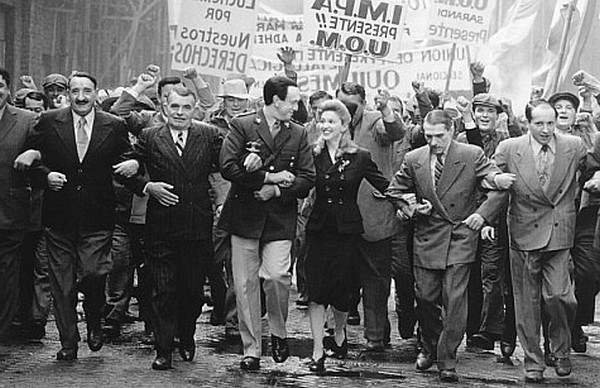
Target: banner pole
(452,56)
(563,44)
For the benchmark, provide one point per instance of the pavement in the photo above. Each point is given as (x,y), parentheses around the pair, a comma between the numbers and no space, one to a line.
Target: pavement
(126,362)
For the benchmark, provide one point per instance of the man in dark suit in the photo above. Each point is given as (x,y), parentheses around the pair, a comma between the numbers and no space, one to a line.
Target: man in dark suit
(179,156)
(79,147)
(269,162)
(15,125)
(445,176)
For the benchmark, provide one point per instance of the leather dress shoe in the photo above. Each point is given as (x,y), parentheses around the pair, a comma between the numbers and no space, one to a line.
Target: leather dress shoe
(317,365)
(424,361)
(187,353)
(449,375)
(563,367)
(549,359)
(333,350)
(280,349)
(484,340)
(353,318)
(534,376)
(162,363)
(375,346)
(250,363)
(507,349)
(578,340)
(95,339)
(66,354)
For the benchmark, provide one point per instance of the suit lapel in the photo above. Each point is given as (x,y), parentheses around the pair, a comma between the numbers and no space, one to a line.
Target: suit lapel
(192,147)
(423,176)
(563,158)
(452,168)
(167,146)
(262,128)
(100,132)
(525,164)
(7,122)
(66,132)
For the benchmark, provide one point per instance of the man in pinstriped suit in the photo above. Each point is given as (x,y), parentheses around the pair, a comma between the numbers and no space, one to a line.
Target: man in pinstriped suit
(178,157)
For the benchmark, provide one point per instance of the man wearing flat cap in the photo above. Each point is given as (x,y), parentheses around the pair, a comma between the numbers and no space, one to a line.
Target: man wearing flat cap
(54,86)
(566,104)
(486,321)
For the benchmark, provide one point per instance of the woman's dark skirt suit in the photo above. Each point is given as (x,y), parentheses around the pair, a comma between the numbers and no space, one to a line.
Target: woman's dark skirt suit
(336,223)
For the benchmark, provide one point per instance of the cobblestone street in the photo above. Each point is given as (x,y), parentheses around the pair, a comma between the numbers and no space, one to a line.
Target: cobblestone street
(126,362)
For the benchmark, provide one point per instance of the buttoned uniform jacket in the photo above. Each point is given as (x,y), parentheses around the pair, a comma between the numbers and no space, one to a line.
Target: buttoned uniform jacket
(337,188)
(441,239)
(87,199)
(377,136)
(15,193)
(539,219)
(191,218)
(242,214)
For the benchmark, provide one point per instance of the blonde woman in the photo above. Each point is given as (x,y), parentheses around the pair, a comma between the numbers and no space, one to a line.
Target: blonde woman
(334,227)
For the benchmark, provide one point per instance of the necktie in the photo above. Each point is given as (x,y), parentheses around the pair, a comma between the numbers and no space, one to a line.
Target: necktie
(82,138)
(439,167)
(543,173)
(180,143)
(275,128)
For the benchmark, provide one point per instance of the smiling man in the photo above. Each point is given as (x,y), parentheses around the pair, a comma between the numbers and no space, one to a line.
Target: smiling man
(79,146)
(566,105)
(269,162)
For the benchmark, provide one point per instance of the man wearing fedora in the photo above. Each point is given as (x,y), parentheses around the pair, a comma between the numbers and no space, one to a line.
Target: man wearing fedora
(235,100)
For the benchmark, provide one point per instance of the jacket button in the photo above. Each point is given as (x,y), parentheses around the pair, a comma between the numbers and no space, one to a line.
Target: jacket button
(329,200)
(535,225)
(326,176)
(327,188)
(271,168)
(80,170)
(451,205)
(341,188)
(342,177)
(556,224)
(341,202)
(534,209)
(78,187)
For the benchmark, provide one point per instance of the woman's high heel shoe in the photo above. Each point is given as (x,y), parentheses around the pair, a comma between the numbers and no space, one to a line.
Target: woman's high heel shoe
(318,365)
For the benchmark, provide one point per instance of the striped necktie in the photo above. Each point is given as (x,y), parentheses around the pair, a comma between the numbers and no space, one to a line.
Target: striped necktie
(180,143)
(543,173)
(439,168)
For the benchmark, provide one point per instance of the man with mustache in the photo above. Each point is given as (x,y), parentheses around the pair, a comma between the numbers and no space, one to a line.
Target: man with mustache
(79,147)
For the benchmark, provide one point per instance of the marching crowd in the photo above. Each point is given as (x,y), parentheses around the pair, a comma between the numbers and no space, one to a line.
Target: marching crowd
(486,220)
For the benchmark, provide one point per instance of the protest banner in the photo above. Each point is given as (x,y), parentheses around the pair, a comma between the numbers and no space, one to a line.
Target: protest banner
(460,21)
(429,66)
(360,27)
(216,36)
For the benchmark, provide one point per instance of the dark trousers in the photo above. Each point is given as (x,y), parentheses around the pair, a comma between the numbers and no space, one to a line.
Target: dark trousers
(217,275)
(74,255)
(493,258)
(437,291)
(299,252)
(402,272)
(178,270)
(35,298)
(10,259)
(375,278)
(119,283)
(474,297)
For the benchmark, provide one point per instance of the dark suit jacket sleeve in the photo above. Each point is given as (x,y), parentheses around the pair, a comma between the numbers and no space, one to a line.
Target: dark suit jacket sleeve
(38,173)
(305,172)
(496,199)
(386,133)
(139,152)
(136,121)
(123,150)
(232,158)
(373,175)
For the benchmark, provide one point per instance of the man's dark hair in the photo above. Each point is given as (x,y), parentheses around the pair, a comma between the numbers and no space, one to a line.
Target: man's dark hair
(83,74)
(167,81)
(183,92)
(439,116)
(277,86)
(352,88)
(38,96)
(319,95)
(531,105)
(6,75)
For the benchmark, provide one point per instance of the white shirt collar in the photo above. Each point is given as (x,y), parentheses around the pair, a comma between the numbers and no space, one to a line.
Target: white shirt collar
(175,134)
(89,119)
(537,147)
